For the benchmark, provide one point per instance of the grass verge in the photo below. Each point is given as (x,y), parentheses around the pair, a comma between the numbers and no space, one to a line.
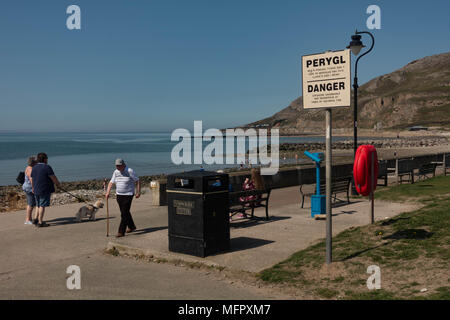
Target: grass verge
(411,249)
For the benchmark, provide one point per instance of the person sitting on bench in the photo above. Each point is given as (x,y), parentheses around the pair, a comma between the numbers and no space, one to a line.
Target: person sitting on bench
(254,183)
(258,181)
(248,185)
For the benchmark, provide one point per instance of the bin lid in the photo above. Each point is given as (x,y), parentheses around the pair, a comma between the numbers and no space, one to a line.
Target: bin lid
(198,181)
(197,173)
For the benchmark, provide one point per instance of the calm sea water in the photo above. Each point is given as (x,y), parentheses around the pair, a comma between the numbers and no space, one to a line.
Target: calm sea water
(83,156)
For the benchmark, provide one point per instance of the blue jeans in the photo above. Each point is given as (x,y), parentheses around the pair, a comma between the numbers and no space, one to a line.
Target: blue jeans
(43,200)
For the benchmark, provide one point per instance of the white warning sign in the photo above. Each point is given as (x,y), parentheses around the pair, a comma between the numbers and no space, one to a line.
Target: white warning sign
(326,80)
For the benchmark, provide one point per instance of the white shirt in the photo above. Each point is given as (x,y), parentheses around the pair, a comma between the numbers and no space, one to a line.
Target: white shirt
(124,181)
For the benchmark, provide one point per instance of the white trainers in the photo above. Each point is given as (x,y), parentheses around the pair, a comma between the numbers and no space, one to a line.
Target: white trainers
(28,222)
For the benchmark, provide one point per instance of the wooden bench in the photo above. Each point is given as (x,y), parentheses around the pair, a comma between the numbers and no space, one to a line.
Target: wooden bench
(383,172)
(403,168)
(337,186)
(428,168)
(261,200)
(446,163)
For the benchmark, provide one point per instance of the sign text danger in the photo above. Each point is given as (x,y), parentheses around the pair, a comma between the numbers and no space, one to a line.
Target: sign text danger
(330,86)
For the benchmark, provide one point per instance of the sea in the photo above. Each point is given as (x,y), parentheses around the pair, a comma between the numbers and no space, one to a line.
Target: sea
(86,156)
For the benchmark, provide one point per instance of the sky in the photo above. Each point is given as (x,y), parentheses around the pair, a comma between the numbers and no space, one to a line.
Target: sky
(156,66)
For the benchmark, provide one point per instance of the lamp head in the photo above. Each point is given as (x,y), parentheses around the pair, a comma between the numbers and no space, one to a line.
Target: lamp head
(356,44)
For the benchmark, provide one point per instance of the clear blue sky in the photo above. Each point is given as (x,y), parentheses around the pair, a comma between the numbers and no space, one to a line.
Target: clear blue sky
(159,65)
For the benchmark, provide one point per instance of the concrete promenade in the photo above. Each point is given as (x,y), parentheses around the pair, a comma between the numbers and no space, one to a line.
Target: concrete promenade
(259,244)
(33,261)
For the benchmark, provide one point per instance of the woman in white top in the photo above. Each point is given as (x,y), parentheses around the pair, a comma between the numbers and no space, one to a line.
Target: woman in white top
(28,189)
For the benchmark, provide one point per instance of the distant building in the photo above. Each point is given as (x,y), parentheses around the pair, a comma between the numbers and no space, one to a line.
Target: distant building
(418,128)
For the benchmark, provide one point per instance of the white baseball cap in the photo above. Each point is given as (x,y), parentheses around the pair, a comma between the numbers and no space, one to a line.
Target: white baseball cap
(120,162)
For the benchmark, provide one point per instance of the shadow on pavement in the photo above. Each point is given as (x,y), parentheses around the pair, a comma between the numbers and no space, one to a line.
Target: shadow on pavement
(339,204)
(344,212)
(146,230)
(344,203)
(70,220)
(247,222)
(244,243)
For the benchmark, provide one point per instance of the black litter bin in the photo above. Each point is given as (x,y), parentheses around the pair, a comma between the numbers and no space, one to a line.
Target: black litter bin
(198,205)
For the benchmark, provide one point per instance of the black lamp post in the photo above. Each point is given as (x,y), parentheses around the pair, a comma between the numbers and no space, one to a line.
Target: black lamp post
(355,46)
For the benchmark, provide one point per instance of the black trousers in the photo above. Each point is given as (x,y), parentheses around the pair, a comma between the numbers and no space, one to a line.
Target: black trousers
(125,214)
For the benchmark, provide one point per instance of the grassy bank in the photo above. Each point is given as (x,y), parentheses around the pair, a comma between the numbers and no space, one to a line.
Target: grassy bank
(411,249)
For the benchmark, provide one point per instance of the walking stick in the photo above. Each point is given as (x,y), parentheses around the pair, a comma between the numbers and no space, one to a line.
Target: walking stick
(107,218)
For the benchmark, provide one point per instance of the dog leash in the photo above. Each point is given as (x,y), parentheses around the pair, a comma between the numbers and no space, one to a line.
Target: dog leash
(76,197)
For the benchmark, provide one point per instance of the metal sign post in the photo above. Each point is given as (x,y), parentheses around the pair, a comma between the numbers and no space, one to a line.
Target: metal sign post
(328,187)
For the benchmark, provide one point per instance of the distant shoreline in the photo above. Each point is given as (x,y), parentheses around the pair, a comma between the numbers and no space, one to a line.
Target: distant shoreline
(390,143)
(373,134)
(12,198)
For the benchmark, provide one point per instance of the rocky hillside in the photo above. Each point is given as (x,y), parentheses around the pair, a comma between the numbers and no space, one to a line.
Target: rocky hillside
(417,94)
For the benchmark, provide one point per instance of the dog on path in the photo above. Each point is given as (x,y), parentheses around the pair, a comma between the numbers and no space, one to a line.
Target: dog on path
(88,211)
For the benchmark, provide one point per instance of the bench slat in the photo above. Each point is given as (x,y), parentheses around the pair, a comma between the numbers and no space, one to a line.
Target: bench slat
(337,186)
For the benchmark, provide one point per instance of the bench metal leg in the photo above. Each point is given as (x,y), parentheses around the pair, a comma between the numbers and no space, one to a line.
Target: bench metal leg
(303,196)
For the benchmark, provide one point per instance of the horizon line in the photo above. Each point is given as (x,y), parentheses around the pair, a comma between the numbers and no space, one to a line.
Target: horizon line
(84,132)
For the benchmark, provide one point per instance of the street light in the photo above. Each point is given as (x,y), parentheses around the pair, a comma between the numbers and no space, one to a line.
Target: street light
(355,46)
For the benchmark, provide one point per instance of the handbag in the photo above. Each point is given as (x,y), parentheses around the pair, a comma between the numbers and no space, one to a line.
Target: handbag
(21,178)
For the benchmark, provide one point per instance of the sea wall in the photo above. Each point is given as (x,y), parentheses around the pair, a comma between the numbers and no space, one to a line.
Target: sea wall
(410,142)
(12,198)
(306,174)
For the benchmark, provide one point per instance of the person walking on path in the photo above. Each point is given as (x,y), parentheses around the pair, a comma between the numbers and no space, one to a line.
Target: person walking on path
(43,181)
(28,189)
(125,180)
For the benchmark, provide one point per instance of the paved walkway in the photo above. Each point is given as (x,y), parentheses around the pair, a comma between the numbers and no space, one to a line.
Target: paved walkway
(257,245)
(33,261)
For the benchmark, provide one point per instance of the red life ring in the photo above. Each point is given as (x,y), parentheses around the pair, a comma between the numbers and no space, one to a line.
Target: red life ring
(362,169)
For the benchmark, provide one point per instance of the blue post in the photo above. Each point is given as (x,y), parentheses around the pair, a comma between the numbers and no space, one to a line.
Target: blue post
(318,204)
(317,178)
